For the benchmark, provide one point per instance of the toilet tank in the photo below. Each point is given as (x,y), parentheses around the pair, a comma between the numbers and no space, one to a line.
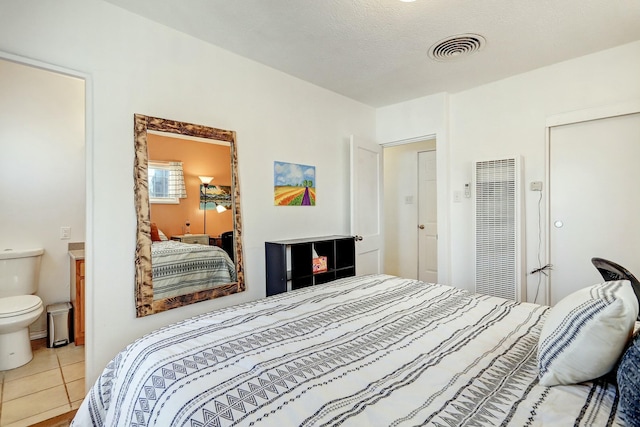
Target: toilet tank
(19,271)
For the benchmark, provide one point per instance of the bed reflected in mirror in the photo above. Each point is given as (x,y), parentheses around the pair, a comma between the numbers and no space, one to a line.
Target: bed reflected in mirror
(189,245)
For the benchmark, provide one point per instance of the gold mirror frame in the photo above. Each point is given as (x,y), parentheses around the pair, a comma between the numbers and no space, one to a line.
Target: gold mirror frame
(145,304)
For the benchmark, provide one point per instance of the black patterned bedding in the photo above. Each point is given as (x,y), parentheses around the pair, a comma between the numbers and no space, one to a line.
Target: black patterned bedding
(182,268)
(363,351)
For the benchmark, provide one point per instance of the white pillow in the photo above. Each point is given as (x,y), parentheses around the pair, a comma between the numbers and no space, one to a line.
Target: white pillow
(584,335)
(162,235)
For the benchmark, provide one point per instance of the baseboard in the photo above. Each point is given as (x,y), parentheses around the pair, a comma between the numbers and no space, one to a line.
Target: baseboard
(36,335)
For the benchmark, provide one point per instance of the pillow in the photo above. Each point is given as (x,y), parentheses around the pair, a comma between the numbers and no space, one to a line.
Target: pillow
(162,235)
(586,332)
(155,236)
(629,383)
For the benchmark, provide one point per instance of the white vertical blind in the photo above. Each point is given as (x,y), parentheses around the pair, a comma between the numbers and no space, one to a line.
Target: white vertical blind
(497,228)
(176,181)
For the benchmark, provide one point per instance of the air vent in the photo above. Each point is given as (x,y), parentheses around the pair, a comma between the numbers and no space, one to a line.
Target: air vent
(498,218)
(455,47)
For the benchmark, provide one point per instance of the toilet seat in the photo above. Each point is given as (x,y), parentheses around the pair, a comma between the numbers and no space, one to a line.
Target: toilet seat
(17,305)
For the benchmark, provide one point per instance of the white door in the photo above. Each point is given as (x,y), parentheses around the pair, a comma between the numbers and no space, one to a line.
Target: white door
(594,200)
(366,205)
(427,217)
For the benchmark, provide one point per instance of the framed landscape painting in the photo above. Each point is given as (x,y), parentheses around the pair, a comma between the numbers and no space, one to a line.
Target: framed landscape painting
(214,195)
(294,184)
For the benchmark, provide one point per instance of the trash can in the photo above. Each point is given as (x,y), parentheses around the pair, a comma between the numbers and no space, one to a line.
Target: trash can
(58,316)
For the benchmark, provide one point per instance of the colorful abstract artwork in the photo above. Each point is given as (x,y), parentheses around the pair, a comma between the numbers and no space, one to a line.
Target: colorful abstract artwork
(294,184)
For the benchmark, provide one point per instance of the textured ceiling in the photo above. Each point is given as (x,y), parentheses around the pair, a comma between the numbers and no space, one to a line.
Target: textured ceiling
(376,51)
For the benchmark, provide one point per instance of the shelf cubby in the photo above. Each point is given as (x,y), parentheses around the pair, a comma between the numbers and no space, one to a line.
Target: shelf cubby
(289,262)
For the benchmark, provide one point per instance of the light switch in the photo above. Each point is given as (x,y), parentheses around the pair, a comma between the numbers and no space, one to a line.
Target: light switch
(65,233)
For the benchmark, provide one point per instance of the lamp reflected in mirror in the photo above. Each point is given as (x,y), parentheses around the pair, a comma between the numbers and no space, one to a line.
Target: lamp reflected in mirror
(203,196)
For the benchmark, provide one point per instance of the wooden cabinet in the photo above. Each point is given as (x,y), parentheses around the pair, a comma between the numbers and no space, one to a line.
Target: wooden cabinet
(77,299)
(200,239)
(289,263)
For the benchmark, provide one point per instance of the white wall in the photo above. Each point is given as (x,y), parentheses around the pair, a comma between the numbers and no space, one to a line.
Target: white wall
(400,217)
(136,66)
(42,164)
(508,117)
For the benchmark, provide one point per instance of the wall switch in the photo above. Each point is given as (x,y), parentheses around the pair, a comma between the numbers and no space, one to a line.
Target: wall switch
(408,200)
(65,233)
(457,196)
(536,185)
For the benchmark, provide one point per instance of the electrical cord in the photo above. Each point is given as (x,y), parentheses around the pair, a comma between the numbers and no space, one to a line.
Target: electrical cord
(541,270)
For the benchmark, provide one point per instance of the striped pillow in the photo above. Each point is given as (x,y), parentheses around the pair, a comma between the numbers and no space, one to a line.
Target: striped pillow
(585,333)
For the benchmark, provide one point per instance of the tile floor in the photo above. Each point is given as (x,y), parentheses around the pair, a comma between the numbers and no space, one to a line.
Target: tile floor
(51,384)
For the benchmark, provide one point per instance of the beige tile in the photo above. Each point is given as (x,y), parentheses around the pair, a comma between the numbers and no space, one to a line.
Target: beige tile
(32,419)
(34,404)
(68,355)
(43,350)
(39,343)
(73,372)
(42,361)
(75,389)
(31,384)
(76,404)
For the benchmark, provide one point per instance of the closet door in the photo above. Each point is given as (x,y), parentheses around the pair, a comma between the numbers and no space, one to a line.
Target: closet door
(594,186)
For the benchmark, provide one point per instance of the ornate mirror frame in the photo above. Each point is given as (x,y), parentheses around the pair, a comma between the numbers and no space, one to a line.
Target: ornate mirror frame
(145,304)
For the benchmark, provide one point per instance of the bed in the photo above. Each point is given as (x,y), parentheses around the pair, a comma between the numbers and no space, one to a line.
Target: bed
(182,268)
(362,351)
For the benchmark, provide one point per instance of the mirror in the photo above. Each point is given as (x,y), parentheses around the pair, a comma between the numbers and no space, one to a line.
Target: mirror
(146,302)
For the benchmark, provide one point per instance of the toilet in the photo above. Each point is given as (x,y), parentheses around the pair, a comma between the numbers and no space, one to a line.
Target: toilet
(19,308)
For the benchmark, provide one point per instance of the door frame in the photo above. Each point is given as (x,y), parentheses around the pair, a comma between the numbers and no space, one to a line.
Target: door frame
(443,209)
(568,118)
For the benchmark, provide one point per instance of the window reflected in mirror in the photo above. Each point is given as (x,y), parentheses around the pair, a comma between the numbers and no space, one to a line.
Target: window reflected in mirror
(166,182)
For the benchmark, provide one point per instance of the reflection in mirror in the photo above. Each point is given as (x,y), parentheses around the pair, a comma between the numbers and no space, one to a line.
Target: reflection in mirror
(189,245)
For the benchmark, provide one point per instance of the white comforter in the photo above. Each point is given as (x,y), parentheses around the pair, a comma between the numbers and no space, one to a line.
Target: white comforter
(366,351)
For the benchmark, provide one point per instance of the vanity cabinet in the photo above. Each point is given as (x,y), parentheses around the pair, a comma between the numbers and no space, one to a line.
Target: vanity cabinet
(289,263)
(77,296)
(199,239)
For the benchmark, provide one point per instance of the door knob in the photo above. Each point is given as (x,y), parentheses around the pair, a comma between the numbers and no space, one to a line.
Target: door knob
(358,238)
(558,224)
(421,227)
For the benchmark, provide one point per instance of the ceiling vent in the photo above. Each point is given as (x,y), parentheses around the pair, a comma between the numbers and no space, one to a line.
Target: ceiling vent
(457,46)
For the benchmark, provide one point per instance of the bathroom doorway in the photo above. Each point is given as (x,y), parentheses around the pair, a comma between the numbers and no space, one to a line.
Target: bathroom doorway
(43,187)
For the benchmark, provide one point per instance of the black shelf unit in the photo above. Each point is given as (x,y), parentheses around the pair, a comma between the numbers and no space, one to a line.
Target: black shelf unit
(289,262)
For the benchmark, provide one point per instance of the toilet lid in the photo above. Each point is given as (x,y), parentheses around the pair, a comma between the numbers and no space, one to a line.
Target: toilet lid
(20,304)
